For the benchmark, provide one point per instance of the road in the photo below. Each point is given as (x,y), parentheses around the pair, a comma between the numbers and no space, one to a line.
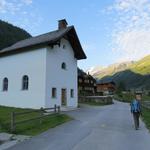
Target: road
(93,128)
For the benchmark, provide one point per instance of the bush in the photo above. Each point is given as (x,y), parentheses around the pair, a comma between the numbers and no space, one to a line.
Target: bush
(126,97)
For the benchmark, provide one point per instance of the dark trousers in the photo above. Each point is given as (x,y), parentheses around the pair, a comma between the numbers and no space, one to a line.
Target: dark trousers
(136,116)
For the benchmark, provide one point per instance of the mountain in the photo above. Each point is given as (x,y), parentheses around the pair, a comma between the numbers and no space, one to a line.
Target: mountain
(131,74)
(142,66)
(112,69)
(10,34)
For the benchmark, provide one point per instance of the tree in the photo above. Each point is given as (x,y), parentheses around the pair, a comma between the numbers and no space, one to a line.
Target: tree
(10,34)
(120,87)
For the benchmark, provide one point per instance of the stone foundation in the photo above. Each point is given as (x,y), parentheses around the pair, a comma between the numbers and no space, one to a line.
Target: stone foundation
(98,99)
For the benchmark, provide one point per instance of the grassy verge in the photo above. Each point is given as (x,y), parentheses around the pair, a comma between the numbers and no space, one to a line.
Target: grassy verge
(30,128)
(146,116)
(93,103)
(124,97)
(128,97)
(146,98)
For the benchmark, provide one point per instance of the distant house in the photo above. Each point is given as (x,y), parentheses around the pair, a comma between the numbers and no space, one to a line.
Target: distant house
(106,87)
(41,71)
(86,83)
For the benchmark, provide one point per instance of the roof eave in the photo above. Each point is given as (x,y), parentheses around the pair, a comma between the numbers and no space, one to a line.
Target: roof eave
(76,45)
(72,37)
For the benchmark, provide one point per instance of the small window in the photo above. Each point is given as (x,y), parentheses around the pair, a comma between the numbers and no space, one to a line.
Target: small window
(25,82)
(63,66)
(71,93)
(5,84)
(64,46)
(80,80)
(54,93)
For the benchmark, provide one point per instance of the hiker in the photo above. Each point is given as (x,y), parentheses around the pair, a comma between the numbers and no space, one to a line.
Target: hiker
(136,109)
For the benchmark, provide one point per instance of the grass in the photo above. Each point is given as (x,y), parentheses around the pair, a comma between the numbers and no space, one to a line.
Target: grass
(124,97)
(30,128)
(146,116)
(146,97)
(142,66)
(128,97)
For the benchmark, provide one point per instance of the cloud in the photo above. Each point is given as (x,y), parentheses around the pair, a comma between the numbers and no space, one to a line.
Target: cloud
(28,17)
(89,47)
(133,44)
(28,2)
(30,22)
(131,34)
(13,6)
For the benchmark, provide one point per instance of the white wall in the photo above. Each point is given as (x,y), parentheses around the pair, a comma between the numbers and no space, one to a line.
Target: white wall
(43,66)
(31,63)
(59,78)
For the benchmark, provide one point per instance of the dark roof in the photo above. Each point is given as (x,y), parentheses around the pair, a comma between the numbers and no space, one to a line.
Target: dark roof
(48,39)
(105,81)
(81,72)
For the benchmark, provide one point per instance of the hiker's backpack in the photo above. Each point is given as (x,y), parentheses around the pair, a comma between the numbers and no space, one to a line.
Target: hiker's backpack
(135,106)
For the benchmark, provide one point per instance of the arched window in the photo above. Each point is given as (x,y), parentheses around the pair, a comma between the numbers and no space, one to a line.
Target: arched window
(64,46)
(5,84)
(25,82)
(63,65)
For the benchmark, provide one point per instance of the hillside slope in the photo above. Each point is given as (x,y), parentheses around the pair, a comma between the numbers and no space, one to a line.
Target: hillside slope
(112,69)
(10,34)
(134,75)
(142,66)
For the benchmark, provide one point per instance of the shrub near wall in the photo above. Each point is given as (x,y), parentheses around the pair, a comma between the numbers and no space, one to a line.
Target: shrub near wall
(124,97)
(128,97)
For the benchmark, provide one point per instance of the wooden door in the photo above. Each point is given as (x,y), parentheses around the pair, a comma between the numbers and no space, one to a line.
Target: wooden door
(64,97)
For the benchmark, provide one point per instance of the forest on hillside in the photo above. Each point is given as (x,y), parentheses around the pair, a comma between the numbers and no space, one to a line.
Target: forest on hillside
(10,34)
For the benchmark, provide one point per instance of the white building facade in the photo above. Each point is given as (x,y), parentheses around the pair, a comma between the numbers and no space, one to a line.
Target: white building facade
(41,71)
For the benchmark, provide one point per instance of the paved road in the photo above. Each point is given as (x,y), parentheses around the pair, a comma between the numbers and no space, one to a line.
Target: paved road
(94,128)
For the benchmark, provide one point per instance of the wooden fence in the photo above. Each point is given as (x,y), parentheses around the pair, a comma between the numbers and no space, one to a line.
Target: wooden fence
(42,111)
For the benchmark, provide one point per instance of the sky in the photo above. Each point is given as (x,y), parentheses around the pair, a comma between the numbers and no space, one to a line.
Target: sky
(110,31)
